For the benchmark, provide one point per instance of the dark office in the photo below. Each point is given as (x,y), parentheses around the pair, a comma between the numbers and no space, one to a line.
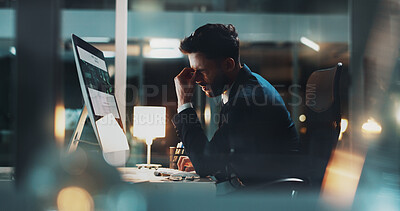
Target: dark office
(200,105)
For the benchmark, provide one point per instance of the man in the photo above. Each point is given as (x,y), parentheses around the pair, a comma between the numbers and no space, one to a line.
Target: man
(255,130)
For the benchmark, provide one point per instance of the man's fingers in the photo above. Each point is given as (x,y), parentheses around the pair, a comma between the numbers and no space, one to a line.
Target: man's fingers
(189,168)
(186,73)
(180,163)
(183,162)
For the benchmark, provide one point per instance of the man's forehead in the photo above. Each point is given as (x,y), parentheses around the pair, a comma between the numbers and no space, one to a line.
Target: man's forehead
(196,60)
(199,61)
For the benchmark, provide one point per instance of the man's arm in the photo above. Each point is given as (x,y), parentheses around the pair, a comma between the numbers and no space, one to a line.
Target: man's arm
(247,137)
(208,157)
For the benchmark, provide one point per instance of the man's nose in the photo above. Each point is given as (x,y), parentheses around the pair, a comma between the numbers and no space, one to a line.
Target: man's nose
(197,77)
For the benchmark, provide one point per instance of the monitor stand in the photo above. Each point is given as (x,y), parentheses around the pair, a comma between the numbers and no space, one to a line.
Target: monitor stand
(117,158)
(74,141)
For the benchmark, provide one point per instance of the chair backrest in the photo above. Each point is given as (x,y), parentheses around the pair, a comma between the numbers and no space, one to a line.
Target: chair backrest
(323,115)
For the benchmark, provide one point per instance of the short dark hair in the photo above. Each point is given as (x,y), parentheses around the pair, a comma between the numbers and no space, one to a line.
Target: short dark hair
(215,41)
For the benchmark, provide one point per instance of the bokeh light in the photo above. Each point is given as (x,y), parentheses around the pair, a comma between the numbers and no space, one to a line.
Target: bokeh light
(343,127)
(302,118)
(371,127)
(74,198)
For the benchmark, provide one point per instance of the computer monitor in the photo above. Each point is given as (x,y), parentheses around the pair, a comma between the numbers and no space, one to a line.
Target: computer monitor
(97,91)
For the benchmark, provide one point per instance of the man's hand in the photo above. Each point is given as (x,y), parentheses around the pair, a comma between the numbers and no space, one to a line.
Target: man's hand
(184,85)
(184,164)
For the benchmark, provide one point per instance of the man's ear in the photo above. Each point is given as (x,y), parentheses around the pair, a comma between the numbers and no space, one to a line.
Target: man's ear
(229,64)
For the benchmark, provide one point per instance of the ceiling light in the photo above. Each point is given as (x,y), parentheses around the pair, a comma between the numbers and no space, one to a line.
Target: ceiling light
(164,54)
(164,43)
(97,39)
(309,43)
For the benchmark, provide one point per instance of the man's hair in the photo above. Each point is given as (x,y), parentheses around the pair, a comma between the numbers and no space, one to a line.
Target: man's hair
(215,41)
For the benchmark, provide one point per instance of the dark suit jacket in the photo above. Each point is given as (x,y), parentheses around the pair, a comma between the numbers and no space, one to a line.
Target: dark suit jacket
(255,134)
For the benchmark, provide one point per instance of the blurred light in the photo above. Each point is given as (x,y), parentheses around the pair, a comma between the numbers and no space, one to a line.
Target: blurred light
(111,70)
(109,54)
(302,118)
(398,114)
(303,130)
(207,114)
(13,51)
(133,50)
(163,49)
(59,124)
(309,43)
(341,179)
(74,198)
(146,6)
(164,43)
(97,39)
(343,127)
(371,127)
(164,54)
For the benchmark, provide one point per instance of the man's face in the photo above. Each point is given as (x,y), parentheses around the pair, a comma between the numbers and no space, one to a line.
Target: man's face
(209,74)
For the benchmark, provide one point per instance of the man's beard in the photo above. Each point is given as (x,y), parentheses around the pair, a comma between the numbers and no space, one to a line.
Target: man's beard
(217,87)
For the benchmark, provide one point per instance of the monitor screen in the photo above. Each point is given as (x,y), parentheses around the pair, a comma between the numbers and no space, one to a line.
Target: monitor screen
(95,81)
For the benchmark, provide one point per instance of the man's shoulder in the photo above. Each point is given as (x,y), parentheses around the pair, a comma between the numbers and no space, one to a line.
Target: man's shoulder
(255,90)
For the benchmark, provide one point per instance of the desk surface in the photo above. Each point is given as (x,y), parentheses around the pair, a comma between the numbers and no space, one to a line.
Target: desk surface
(145,191)
(135,175)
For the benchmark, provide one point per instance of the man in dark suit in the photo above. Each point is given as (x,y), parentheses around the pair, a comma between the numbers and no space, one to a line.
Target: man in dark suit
(255,129)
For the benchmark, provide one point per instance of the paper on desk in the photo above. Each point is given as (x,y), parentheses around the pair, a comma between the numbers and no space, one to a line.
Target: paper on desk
(112,137)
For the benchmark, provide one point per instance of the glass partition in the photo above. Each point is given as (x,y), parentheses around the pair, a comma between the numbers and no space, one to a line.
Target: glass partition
(7,83)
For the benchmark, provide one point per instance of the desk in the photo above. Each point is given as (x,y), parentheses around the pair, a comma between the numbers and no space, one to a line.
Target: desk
(144,191)
(161,193)
(158,193)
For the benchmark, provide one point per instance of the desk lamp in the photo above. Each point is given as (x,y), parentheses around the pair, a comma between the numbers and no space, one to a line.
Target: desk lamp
(149,123)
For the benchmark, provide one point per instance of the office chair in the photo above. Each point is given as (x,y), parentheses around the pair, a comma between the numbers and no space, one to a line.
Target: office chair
(323,119)
(323,128)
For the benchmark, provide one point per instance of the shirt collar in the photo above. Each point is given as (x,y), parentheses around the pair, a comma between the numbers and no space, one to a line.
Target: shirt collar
(225,95)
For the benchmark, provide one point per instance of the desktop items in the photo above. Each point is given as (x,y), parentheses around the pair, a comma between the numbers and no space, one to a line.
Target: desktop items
(172,165)
(149,123)
(174,154)
(176,175)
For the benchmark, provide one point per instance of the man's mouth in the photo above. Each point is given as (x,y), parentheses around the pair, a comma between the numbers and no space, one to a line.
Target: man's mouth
(203,87)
